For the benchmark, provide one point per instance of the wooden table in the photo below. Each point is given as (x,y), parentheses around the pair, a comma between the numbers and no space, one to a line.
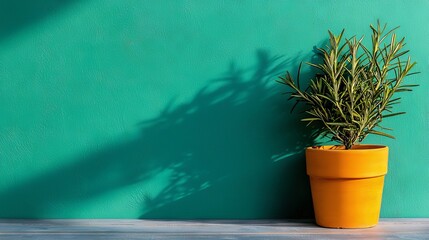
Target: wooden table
(205,229)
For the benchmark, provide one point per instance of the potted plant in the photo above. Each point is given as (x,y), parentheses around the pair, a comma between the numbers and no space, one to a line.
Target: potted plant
(352,92)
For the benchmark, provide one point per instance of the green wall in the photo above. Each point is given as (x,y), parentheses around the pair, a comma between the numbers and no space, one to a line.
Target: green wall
(169,109)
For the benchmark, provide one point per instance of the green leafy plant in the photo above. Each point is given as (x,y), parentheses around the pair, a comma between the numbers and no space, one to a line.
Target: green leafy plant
(354,87)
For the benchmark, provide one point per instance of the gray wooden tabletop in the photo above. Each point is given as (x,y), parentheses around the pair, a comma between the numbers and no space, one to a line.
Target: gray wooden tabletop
(205,229)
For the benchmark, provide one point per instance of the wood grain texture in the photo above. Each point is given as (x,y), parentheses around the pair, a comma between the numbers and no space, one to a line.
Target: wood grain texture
(205,229)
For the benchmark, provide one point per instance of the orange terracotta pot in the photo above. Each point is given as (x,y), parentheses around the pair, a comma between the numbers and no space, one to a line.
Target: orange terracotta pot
(347,185)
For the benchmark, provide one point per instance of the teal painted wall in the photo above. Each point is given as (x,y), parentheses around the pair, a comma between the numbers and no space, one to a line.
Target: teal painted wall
(169,109)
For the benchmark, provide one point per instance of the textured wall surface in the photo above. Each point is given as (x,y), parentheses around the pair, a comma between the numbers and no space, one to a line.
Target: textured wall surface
(169,109)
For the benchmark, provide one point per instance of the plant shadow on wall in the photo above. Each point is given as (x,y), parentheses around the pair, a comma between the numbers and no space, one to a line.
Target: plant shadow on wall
(237,152)
(232,151)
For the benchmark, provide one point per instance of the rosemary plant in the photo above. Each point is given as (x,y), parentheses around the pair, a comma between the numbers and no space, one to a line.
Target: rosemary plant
(354,87)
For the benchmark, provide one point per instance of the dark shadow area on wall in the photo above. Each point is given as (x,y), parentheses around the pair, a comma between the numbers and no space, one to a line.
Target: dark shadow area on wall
(232,151)
(241,150)
(16,15)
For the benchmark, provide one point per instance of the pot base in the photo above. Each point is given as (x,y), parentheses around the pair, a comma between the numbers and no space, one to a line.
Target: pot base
(347,203)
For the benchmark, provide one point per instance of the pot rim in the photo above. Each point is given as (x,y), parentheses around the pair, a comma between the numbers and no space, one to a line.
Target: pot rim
(355,148)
